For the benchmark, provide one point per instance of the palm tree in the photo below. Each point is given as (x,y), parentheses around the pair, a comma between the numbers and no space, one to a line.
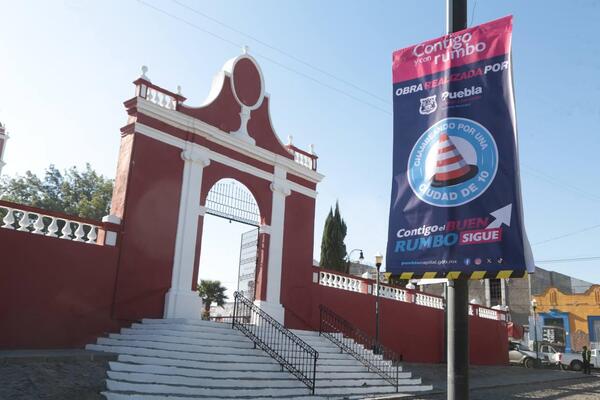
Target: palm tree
(211,292)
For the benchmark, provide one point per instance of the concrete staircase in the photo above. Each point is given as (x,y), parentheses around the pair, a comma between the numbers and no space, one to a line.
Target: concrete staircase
(178,359)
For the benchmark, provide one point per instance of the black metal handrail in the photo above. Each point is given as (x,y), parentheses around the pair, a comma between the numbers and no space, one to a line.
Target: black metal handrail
(291,352)
(364,348)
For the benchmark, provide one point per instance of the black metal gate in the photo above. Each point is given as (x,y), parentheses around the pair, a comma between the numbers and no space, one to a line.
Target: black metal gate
(232,200)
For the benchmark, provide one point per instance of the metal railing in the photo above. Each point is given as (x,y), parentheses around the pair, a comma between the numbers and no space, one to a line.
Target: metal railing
(364,348)
(291,352)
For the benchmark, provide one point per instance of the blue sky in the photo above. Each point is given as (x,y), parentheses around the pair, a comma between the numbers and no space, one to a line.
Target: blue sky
(66,67)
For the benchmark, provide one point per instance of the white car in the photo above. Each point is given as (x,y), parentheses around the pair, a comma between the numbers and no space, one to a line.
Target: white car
(574,361)
(553,356)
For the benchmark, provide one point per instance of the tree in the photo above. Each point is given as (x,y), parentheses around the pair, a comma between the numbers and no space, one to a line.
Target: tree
(84,193)
(333,249)
(211,292)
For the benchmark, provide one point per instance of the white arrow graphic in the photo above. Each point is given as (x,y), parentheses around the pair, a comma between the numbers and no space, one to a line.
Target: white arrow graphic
(502,216)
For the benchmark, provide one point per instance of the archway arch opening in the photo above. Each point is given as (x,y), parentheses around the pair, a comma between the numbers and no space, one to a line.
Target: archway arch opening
(230,239)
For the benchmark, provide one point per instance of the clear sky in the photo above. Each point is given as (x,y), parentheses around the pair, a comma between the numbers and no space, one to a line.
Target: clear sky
(66,67)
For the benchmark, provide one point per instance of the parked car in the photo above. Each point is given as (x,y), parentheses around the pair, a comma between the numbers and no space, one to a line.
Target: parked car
(551,354)
(522,355)
(574,361)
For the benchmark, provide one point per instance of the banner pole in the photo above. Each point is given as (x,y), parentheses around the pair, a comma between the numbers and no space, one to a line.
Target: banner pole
(457,301)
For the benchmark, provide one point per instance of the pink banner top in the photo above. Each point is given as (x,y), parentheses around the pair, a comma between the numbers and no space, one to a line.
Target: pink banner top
(459,48)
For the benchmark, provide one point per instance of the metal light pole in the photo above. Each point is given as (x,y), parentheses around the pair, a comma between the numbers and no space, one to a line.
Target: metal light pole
(458,290)
(378,262)
(535,345)
(360,258)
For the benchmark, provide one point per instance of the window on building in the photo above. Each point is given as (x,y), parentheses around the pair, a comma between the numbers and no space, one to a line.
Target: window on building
(495,292)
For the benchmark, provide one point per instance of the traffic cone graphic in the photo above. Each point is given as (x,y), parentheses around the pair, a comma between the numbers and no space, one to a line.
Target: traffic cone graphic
(451,168)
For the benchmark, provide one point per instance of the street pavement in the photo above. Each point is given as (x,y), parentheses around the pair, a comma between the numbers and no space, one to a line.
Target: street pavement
(512,382)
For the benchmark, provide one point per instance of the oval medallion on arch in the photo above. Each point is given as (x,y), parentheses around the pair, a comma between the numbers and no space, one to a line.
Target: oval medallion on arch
(247,83)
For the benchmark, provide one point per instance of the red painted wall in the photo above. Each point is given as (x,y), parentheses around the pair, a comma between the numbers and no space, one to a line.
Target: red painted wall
(54,293)
(149,229)
(416,332)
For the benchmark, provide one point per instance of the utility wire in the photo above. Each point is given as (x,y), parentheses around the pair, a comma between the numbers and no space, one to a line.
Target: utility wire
(473,13)
(589,228)
(540,175)
(238,45)
(285,53)
(566,260)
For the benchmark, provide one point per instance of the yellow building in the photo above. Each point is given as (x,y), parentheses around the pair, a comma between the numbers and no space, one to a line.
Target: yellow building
(577,314)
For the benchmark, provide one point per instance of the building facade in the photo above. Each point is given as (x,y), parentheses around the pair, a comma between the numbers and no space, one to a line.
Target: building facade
(575,314)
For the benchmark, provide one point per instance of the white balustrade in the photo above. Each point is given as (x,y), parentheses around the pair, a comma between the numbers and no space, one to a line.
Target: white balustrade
(301,158)
(47,225)
(354,285)
(161,99)
(429,301)
(393,293)
(488,313)
(339,281)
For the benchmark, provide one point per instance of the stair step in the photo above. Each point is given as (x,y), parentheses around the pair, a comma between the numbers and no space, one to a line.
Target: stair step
(275,374)
(249,381)
(206,357)
(237,343)
(225,330)
(206,348)
(206,392)
(230,335)
(209,366)
(137,396)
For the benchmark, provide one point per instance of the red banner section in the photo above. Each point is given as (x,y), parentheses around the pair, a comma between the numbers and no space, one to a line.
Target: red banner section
(459,48)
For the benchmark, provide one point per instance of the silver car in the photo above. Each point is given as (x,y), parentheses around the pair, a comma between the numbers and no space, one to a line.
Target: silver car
(521,355)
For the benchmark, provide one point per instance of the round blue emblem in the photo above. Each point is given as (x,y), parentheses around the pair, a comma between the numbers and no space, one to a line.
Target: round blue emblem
(452,163)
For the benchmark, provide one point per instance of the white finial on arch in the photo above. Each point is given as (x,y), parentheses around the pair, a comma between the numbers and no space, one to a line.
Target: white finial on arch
(144,70)
(290,140)
(245,49)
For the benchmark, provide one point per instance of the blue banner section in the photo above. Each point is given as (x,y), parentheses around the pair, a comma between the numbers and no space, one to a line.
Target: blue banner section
(455,205)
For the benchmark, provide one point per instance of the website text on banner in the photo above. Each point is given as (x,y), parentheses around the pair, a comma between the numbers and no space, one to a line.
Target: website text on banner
(456,201)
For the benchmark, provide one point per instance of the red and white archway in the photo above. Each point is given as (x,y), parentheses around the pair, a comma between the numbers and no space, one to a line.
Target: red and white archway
(188,150)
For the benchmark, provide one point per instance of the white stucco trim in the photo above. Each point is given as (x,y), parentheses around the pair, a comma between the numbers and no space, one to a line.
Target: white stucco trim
(280,191)
(252,170)
(215,135)
(180,300)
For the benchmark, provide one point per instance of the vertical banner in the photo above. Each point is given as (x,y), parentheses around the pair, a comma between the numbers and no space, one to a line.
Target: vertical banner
(456,203)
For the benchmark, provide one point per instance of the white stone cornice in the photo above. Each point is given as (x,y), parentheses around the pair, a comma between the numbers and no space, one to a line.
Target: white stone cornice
(201,210)
(201,128)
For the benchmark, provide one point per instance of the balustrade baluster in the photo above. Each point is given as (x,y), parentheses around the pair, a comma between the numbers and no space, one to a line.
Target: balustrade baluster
(52,228)
(66,231)
(92,236)
(9,219)
(24,222)
(38,226)
(79,233)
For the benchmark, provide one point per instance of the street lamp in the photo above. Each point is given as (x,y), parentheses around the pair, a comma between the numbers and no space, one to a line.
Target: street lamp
(360,258)
(378,262)
(535,344)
